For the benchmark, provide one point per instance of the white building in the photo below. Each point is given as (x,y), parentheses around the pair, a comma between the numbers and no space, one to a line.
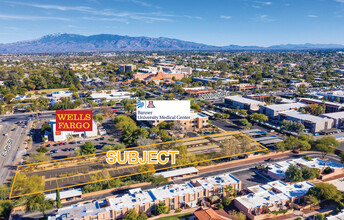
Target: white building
(111,95)
(277,170)
(64,135)
(243,103)
(272,111)
(313,123)
(338,118)
(61,94)
(270,197)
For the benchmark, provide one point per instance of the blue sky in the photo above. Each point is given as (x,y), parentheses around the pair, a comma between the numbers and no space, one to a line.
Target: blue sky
(214,22)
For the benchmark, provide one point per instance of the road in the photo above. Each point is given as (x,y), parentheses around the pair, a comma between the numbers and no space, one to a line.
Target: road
(7,166)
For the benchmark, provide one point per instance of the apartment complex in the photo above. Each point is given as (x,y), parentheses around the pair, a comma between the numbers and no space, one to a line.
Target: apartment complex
(243,103)
(313,123)
(262,97)
(271,197)
(186,195)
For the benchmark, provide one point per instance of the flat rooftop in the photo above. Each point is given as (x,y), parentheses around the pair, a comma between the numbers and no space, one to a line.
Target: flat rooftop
(303,116)
(282,107)
(241,99)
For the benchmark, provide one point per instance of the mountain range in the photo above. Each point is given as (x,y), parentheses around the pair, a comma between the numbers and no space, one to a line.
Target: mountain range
(57,43)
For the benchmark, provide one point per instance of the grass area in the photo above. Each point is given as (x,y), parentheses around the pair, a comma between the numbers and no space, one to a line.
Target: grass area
(48,91)
(175,217)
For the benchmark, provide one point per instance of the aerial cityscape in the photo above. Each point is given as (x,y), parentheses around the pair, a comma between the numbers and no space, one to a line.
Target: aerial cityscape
(172,110)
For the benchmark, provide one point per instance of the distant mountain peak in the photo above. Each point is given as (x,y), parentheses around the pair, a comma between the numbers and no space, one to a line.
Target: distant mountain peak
(65,42)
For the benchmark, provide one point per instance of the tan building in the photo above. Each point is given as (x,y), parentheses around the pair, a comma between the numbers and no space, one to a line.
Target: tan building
(197,121)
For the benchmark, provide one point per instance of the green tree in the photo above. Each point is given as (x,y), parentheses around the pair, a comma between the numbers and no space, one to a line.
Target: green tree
(326,145)
(326,191)
(4,192)
(42,149)
(132,215)
(146,172)
(98,117)
(58,199)
(142,216)
(341,157)
(237,215)
(309,173)
(162,208)
(38,202)
(88,148)
(226,201)
(45,127)
(245,122)
(258,117)
(129,107)
(293,174)
(108,147)
(5,209)
(157,180)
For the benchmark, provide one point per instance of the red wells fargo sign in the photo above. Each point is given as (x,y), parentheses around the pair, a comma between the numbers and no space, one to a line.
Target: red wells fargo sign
(74,120)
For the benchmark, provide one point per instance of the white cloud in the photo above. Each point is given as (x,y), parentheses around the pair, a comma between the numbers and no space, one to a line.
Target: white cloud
(312,16)
(30,18)
(225,17)
(263,18)
(340,1)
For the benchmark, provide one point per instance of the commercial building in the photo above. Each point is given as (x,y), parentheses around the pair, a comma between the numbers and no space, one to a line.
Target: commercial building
(195,92)
(277,170)
(330,106)
(262,97)
(272,197)
(243,103)
(152,73)
(177,196)
(335,96)
(126,67)
(313,123)
(61,94)
(243,87)
(272,111)
(110,95)
(338,118)
(197,121)
(64,135)
(214,80)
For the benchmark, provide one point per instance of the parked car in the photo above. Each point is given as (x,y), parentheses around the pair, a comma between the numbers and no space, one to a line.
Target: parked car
(55,151)
(71,149)
(270,159)
(102,138)
(60,143)
(79,142)
(65,143)
(5,134)
(48,145)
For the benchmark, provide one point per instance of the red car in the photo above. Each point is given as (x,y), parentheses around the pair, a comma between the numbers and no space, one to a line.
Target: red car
(60,143)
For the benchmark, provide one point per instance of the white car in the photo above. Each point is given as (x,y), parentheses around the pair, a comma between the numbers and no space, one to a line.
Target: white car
(5,134)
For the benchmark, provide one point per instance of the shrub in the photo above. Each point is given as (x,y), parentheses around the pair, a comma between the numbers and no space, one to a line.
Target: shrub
(178,210)
(111,139)
(307,158)
(220,206)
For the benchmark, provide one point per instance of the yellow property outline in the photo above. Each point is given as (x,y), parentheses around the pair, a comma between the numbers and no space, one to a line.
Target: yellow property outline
(168,142)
